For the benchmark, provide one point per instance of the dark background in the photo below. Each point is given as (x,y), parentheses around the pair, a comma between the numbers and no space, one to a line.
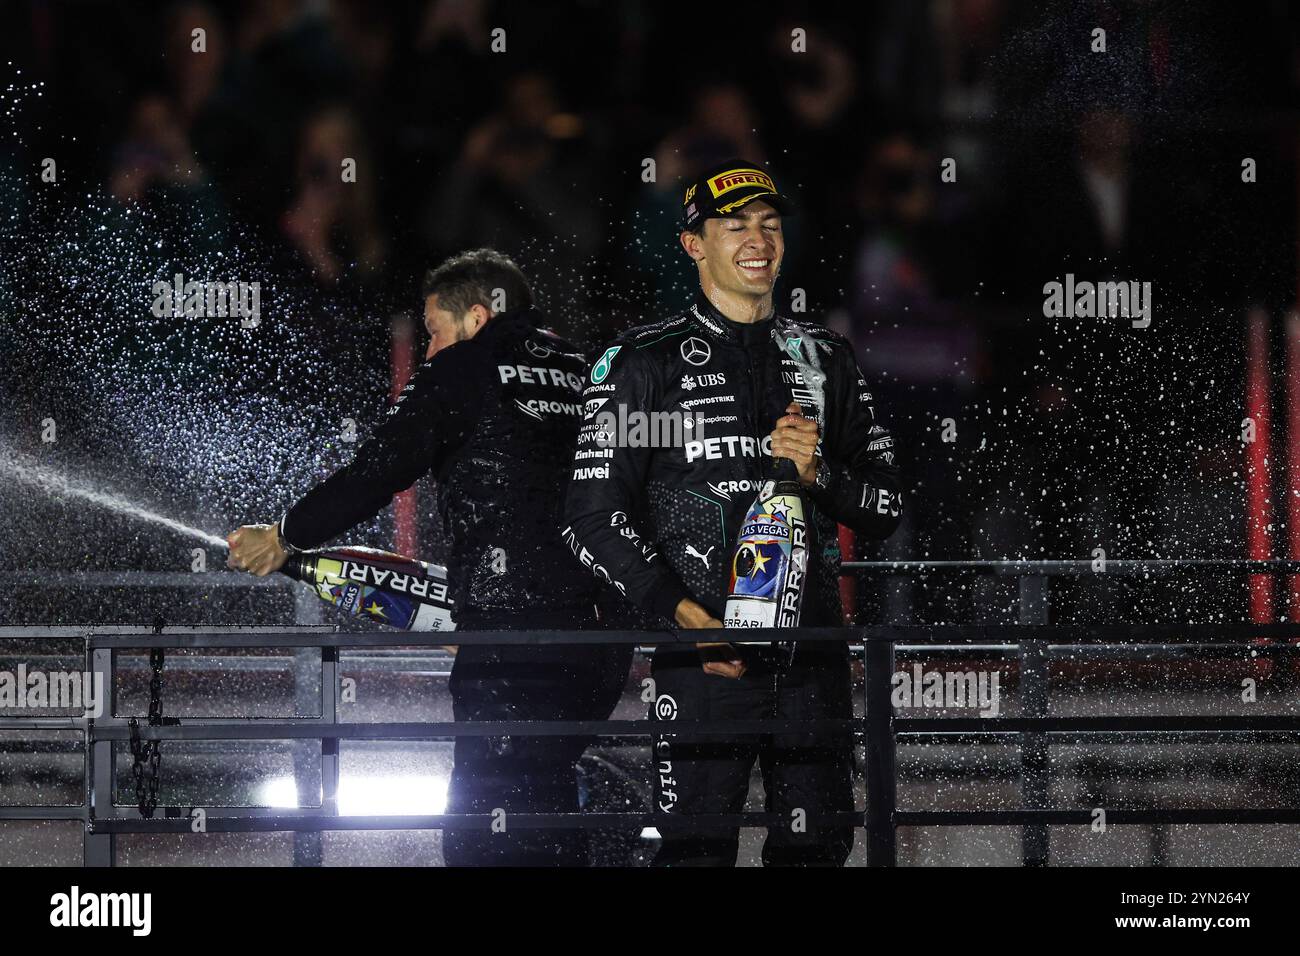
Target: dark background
(1070,434)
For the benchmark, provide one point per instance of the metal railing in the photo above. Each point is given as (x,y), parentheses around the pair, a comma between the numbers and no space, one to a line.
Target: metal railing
(879,730)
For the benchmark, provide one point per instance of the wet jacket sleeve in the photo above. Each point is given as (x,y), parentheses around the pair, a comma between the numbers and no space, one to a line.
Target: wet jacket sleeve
(858,483)
(605,501)
(432,417)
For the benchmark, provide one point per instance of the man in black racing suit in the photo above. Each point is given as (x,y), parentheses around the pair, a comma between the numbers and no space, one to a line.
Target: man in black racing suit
(660,523)
(492,413)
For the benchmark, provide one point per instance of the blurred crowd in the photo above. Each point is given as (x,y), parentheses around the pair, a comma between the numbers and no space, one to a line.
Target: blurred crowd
(1124,166)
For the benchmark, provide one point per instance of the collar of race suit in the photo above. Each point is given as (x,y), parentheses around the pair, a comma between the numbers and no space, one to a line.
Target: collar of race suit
(706,316)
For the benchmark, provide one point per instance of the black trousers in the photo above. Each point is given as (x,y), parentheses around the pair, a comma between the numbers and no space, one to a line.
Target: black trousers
(520,774)
(812,772)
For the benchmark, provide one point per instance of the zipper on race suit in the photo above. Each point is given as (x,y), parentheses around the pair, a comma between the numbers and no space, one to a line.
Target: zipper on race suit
(755,409)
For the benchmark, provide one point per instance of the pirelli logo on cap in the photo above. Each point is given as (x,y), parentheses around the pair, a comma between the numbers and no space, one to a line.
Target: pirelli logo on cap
(735,178)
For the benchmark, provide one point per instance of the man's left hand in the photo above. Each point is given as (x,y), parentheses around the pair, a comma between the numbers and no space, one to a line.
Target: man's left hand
(256,548)
(795,437)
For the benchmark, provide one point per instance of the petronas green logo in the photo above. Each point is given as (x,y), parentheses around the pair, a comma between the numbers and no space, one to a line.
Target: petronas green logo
(600,370)
(792,346)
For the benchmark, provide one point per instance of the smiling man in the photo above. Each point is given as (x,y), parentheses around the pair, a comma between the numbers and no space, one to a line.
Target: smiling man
(659,524)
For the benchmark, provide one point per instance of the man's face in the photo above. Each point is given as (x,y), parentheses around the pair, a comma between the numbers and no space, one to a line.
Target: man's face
(741,253)
(446,328)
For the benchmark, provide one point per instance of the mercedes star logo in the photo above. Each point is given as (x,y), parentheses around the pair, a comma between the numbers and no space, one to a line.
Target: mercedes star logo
(696,351)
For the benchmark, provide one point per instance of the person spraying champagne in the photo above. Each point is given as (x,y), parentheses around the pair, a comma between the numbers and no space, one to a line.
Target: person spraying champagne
(492,416)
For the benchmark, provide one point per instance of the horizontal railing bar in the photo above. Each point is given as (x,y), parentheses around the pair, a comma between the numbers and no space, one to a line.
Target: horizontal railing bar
(586,821)
(87,630)
(919,635)
(1114,816)
(1060,738)
(129,811)
(42,723)
(469,821)
(1048,566)
(121,720)
(1074,566)
(435,655)
(375,657)
(144,579)
(1148,724)
(311,729)
(53,812)
(279,730)
(914,634)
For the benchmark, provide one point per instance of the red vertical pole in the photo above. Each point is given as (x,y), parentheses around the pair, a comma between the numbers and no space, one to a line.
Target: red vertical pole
(1259,516)
(848,582)
(1292,437)
(402,362)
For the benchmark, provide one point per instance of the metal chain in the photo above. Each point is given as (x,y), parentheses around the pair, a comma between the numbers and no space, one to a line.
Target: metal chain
(145,754)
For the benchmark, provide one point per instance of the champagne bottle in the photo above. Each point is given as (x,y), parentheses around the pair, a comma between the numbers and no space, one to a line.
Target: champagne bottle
(770,563)
(378,585)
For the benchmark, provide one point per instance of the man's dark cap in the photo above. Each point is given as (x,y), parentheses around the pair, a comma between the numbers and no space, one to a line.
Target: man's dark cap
(726,187)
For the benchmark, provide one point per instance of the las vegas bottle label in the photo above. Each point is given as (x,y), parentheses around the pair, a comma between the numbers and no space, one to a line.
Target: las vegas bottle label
(770,562)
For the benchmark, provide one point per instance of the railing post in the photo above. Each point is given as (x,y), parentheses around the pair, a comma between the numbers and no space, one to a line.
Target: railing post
(307,756)
(882,796)
(329,747)
(1035,608)
(100,849)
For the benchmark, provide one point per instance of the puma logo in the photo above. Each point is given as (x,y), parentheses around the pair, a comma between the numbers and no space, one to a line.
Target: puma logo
(690,549)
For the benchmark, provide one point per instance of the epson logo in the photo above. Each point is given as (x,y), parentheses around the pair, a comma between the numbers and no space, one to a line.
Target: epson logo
(728,446)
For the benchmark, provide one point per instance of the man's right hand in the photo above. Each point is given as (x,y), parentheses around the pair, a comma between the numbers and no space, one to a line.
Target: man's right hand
(717,657)
(256,548)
